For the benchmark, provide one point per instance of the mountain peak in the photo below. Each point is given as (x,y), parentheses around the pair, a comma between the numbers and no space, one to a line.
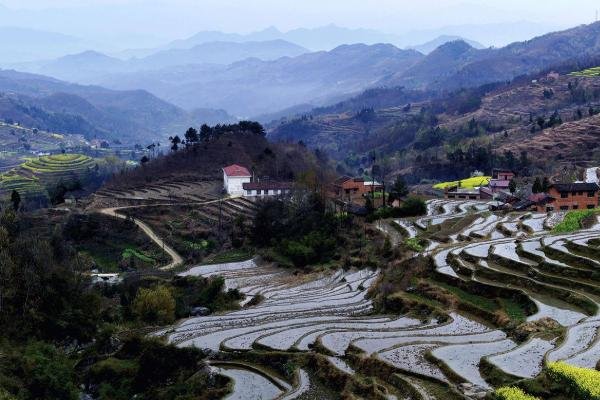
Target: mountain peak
(454,48)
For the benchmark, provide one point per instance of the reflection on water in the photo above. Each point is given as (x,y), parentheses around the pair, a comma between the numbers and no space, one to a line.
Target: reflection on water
(249,385)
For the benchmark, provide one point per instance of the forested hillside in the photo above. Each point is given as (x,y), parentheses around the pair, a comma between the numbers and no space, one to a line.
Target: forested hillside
(204,153)
(449,134)
(128,116)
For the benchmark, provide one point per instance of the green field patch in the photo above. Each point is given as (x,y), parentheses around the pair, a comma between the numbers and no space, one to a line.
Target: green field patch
(235,255)
(478,301)
(590,72)
(129,253)
(514,310)
(205,245)
(468,183)
(574,220)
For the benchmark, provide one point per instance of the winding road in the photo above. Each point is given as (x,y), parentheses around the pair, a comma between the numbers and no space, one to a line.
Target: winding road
(176,259)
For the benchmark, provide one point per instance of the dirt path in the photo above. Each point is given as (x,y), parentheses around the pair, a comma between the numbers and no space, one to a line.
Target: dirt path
(176,259)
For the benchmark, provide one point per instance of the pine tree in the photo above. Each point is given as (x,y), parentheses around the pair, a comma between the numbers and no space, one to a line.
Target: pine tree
(537,186)
(15,199)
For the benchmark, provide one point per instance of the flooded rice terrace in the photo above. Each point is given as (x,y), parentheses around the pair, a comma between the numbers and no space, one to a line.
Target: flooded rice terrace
(331,313)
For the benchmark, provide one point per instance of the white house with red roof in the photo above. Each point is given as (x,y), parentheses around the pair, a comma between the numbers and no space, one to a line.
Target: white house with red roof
(234,177)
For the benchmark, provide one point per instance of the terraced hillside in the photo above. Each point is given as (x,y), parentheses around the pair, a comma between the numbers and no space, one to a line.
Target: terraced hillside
(22,139)
(552,117)
(52,169)
(174,191)
(522,296)
(198,229)
(33,177)
(27,187)
(571,141)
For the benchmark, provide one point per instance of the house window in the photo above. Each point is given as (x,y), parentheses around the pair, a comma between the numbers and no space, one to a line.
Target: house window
(590,206)
(579,193)
(564,195)
(591,194)
(564,208)
(576,207)
(248,192)
(549,209)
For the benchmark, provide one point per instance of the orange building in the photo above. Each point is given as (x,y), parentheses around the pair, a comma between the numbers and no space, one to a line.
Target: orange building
(352,189)
(571,196)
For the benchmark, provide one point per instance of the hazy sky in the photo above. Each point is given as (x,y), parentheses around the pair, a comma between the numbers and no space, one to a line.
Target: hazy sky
(170,19)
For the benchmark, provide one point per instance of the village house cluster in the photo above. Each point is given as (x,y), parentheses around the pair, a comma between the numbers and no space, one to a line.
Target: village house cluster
(559,196)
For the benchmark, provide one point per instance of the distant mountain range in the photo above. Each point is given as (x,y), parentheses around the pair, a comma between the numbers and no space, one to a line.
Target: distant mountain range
(457,64)
(288,78)
(22,45)
(317,39)
(331,36)
(128,116)
(325,77)
(89,65)
(252,87)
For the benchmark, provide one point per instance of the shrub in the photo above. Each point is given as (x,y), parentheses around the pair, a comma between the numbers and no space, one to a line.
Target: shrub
(412,207)
(48,373)
(4,395)
(155,305)
(113,369)
(512,393)
(584,383)
(415,244)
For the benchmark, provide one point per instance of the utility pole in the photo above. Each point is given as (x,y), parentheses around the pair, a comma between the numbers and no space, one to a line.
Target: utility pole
(220,216)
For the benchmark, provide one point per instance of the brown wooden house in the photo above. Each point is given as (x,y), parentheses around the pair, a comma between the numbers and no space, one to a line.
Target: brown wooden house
(571,196)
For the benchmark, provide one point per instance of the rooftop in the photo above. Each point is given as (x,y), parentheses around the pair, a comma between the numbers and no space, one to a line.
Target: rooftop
(237,170)
(343,179)
(576,187)
(502,183)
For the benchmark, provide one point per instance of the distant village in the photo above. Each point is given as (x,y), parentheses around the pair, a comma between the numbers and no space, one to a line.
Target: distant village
(352,192)
(557,197)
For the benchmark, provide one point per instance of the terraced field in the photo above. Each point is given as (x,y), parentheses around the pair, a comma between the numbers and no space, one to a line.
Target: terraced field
(32,178)
(27,187)
(331,313)
(167,192)
(53,168)
(590,72)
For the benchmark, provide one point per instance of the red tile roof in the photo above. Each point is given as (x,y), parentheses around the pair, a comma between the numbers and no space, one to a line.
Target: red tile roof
(237,170)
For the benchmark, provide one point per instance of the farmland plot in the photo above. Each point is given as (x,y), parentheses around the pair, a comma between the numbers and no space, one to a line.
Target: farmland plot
(330,312)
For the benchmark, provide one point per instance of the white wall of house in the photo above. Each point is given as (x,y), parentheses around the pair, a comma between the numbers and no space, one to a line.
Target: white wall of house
(234,184)
(271,192)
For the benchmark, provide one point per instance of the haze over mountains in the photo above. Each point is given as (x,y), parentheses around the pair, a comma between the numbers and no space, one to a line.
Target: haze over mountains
(213,76)
(88,66)
(120,116)
(184,76)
